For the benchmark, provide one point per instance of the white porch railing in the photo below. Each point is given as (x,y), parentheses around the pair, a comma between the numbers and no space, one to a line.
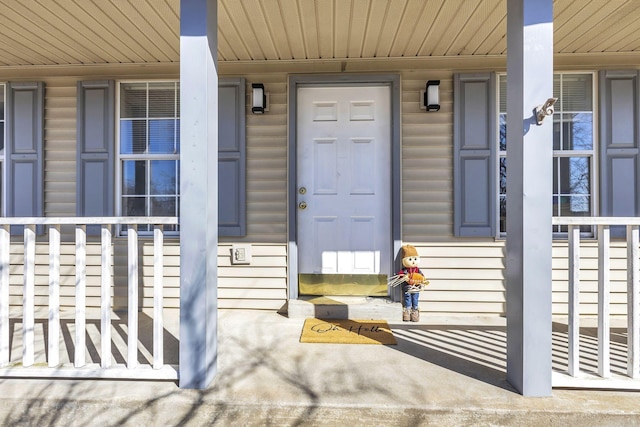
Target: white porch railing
(602,377)
(131,369)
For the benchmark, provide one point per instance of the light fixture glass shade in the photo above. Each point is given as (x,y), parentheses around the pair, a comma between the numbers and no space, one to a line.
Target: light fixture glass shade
(259,98)
(432,95)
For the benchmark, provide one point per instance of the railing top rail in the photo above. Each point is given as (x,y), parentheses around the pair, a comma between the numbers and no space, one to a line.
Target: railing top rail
(98,220)
(595,220)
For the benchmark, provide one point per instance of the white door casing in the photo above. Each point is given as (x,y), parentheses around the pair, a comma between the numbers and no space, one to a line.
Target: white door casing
(344,179)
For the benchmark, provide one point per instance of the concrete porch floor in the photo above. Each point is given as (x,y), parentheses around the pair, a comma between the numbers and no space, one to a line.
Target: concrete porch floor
(443,371)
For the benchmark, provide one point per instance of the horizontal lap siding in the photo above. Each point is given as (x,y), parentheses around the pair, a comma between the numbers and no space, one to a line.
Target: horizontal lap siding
(589,278)
(60,147)
(261,285)
(171,260)
(467,276)
(267,157)
(427,164)
(93,271)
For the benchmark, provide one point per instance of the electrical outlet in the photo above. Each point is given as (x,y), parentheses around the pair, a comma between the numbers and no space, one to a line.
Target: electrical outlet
(241,254)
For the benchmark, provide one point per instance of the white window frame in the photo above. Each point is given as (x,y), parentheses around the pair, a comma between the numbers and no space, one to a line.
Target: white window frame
(119,158)
(592,154)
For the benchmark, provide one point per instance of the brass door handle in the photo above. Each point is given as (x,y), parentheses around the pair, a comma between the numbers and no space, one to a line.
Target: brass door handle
(302,205)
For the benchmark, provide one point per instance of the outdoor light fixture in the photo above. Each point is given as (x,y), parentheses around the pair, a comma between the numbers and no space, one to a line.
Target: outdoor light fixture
(432,95)
(545,110)
(259,99)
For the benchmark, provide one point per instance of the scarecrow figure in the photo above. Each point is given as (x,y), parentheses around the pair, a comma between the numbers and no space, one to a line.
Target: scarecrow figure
(412,280)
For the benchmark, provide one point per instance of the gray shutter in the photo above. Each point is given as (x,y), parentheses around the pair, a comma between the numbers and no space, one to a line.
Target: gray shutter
(474,153)
(25,134)
(231,158)
(619,145)
(95,148)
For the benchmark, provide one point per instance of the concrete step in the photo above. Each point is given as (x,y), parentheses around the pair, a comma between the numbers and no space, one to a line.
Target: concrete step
(175,409)
(345,307)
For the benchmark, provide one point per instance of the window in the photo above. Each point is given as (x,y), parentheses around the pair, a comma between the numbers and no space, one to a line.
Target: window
(573,148)
(148,151)
(149,147)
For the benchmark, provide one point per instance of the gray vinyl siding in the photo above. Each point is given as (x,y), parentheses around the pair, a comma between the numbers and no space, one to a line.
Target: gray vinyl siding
(469,279)
(60,147)
(261,285)
(427,163)
(467,274)
(589,278)
(267,163)
(466,279)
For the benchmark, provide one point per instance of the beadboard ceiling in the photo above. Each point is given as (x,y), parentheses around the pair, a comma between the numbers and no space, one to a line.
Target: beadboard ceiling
(74,32)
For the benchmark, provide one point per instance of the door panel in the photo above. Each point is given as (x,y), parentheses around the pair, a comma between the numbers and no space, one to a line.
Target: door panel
(344,180)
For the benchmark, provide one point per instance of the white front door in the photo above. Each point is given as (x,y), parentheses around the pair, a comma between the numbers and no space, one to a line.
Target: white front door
(344,180)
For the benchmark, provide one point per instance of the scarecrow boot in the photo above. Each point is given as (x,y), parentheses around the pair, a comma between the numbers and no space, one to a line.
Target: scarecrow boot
(406,316)
(415,315)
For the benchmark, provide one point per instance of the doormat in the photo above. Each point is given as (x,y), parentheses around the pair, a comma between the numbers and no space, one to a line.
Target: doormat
(344,331)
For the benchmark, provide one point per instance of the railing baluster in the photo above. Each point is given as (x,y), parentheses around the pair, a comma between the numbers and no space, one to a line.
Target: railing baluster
(53,342)
(132,324)
(105,297)
(574,300)
(54,296)
(28,296)
(604,288)
(81,293)
(5,249)
(158,274)
(633,310)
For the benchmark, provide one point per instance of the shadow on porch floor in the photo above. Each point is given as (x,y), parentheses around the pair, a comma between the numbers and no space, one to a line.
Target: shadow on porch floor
(448,371)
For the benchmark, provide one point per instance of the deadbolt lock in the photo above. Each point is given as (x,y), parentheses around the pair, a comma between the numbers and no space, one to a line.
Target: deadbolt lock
(302,190)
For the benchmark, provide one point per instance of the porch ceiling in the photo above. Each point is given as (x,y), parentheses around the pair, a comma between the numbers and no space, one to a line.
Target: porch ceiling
(75,32)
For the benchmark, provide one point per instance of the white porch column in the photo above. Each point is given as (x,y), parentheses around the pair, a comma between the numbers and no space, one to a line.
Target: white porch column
(529,204)
(198,192)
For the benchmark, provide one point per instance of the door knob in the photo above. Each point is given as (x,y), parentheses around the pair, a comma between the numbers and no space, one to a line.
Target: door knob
(302,205)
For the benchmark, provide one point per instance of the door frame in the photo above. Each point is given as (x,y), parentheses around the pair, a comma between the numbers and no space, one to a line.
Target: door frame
(296,81)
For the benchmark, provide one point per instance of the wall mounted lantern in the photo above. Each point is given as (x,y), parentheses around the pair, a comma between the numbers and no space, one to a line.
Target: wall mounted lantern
(432,96)
(545,110)
(259,103)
